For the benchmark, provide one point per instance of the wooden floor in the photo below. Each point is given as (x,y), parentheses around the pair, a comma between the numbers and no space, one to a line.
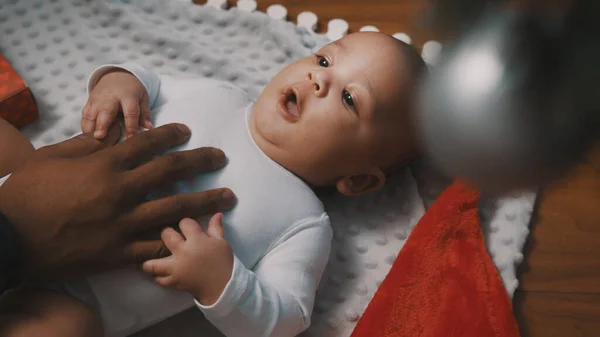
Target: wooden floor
(560,289)
(560,279)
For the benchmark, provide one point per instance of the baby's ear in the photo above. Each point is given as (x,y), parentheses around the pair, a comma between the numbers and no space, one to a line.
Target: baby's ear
(369,181)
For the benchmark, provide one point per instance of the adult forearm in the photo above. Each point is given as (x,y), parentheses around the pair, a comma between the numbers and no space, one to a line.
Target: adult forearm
(3,285)
(10,255)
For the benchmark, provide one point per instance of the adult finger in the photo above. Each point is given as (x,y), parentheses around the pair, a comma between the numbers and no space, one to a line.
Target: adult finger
(131,114)
(107,112)
(174,166)
(162,212)
(146,145)
(82,144)
(140,251)
(159,267)
(215,227)
(190,228)
(172,239)
(88,118)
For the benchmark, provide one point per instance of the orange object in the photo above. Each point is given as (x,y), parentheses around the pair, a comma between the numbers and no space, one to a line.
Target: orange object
(443,282)
(17,104)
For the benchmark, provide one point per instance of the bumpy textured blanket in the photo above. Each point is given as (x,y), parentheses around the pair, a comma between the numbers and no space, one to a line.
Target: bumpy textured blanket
(55,44)
(443,283)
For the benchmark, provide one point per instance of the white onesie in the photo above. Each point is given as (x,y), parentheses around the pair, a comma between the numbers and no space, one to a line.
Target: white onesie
(278,229)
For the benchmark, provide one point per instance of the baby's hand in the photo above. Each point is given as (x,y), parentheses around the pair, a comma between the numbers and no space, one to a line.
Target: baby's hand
(201,263)
(116,91)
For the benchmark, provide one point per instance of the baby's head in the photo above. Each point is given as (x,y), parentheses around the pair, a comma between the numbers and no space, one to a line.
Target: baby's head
(342,116)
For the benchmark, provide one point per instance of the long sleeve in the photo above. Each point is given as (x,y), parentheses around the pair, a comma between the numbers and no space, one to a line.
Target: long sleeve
(277,297)
(160,88)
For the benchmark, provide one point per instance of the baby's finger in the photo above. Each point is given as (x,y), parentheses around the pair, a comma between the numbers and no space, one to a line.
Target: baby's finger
(131,113)
(145,113)
(159,267)
(145,122)
(190,228)
(165,281)
(106,112)
(172,239)
(215,227)
(88,118)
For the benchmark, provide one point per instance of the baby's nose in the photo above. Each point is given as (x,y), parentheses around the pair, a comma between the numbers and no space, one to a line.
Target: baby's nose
(321,81)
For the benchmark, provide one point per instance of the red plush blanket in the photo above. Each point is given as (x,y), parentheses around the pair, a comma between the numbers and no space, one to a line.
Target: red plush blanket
(443,282)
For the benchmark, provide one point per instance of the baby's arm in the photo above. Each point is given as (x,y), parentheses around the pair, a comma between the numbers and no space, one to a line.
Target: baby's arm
(111,90)
(276,299)
(161,88)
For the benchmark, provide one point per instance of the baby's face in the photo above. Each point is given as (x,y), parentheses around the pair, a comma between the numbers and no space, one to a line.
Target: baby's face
(337,113)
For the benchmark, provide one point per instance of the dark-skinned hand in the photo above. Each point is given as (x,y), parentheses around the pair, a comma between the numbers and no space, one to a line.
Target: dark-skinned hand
(80,206)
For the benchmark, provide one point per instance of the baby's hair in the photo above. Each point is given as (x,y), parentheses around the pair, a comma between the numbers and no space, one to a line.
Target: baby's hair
(416,65)
(417,69)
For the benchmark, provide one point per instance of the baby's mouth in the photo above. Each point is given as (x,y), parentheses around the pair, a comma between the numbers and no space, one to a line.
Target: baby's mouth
(288,105)
(292,105)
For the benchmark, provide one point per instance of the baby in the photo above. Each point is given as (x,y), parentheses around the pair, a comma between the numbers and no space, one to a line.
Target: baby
(339,118)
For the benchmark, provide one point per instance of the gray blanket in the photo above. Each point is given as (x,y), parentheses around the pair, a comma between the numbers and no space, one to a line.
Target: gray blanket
(56,44)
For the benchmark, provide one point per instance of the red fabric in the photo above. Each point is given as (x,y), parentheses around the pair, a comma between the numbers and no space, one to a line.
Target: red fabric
(17,104)
(443,283)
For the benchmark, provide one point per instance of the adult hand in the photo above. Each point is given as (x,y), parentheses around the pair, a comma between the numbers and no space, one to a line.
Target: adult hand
(80,206)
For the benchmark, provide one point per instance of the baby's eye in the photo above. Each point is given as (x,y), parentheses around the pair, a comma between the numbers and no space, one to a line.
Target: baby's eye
(347,97)
(322,61)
